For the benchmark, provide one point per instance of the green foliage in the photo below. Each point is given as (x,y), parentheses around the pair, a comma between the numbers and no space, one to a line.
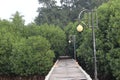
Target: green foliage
(70,30)
(21,52)
(6,41)
(17,20)
(66,12)
(31,56)
(29,50)
(109,18)
(55,35)
(85,51)
(107,42)
(53,15)
(47,3)
(114,58)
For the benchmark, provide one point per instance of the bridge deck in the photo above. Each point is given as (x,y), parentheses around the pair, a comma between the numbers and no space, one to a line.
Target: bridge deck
(67,69)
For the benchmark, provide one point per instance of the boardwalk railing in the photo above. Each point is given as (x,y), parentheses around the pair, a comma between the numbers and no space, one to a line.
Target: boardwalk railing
(67,69)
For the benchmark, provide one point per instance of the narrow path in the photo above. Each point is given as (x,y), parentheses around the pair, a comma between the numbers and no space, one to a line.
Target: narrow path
(67,69)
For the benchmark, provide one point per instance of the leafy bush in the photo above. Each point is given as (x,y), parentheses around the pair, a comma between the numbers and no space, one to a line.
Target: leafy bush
(31,56)
(55,35)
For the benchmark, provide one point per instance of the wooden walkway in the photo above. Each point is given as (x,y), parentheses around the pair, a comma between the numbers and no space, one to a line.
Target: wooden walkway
(67,69)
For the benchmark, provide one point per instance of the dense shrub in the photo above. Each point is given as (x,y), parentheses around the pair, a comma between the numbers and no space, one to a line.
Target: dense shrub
(31,56)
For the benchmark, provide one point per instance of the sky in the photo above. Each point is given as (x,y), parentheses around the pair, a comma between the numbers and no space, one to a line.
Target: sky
(27,8)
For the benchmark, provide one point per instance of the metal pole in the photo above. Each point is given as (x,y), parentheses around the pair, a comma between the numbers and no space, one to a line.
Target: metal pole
(74,41)
(93,37)
(94,47)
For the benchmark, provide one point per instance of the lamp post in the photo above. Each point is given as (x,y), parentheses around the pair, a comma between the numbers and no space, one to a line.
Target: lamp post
(73,39)
(79,28)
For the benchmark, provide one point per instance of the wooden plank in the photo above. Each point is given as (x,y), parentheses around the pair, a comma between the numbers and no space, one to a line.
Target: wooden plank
(67,69)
